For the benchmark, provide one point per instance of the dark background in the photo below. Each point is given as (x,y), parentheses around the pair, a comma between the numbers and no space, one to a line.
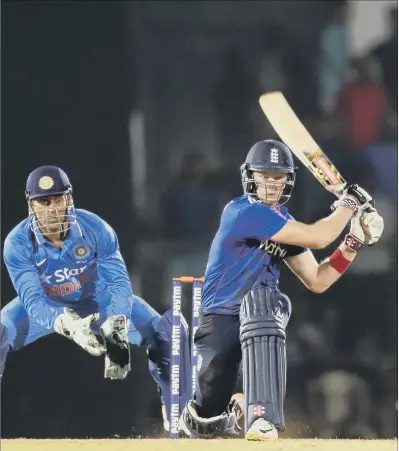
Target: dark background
(65,101)
(72,72)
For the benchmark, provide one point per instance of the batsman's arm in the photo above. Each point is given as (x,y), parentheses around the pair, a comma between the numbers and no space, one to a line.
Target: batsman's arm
(318,277)
(26,281)
(112,270)
(353,201)
(315,236)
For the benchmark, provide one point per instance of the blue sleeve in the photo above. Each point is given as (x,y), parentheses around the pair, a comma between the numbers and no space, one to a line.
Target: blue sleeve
(291,249)
(26,281)
(112,270)
(259,221)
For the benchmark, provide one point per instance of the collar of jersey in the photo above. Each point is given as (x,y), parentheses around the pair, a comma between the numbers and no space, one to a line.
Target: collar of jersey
(252,199)
(74,232)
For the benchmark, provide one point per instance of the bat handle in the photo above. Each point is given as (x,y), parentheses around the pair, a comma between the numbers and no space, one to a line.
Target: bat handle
(339,193)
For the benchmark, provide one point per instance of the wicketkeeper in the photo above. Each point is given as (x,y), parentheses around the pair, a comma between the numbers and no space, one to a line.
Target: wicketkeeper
(70,277)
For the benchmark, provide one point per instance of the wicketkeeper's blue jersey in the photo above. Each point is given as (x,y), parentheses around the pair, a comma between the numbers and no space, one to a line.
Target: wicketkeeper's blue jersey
(242,254)
(88,269)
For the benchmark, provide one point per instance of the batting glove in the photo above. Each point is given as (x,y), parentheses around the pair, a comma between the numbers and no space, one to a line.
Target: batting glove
(366,226)
(372,224)
(355,198)
(71,325)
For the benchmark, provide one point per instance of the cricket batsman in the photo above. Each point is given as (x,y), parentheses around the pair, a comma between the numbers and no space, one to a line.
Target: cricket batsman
(244,315)
(71,279)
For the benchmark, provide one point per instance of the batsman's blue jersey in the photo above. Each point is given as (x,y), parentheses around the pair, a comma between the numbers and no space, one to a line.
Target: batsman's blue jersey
(242,254)
(88,270)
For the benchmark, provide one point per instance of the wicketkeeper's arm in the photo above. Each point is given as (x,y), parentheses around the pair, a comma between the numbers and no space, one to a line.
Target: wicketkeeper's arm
(117,302)
(118,298)
(26,280)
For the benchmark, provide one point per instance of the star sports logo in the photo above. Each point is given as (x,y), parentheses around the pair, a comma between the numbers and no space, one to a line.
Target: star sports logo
(62,275)
(66,281)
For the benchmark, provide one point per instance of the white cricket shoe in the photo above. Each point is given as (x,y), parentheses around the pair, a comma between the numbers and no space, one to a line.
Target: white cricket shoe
(261,429)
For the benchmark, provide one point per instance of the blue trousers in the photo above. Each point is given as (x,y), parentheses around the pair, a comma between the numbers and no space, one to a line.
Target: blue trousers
(147,329)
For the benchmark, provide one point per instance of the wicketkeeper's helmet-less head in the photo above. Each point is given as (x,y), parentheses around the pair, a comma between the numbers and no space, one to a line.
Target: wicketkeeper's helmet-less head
(48,182)
(269,156)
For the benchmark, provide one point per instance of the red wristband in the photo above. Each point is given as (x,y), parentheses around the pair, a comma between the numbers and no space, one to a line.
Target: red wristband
(339,262)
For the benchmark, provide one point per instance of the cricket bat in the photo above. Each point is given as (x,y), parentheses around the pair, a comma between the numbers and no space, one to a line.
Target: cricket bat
(293,133)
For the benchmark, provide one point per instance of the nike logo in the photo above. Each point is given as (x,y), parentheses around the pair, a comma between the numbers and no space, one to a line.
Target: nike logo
(40,263)
(268,425)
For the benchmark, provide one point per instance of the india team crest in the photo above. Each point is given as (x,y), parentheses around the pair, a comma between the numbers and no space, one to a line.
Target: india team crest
(81,251)
(46,182)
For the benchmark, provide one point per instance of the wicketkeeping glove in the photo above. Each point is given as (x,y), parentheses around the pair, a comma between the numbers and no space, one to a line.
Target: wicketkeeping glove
(71,325)
(117,358)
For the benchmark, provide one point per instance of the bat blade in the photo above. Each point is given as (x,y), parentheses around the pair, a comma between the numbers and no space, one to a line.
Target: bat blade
(294,134)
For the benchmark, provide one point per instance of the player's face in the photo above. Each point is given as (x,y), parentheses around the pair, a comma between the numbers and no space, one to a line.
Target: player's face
(50,213)
(270,186)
